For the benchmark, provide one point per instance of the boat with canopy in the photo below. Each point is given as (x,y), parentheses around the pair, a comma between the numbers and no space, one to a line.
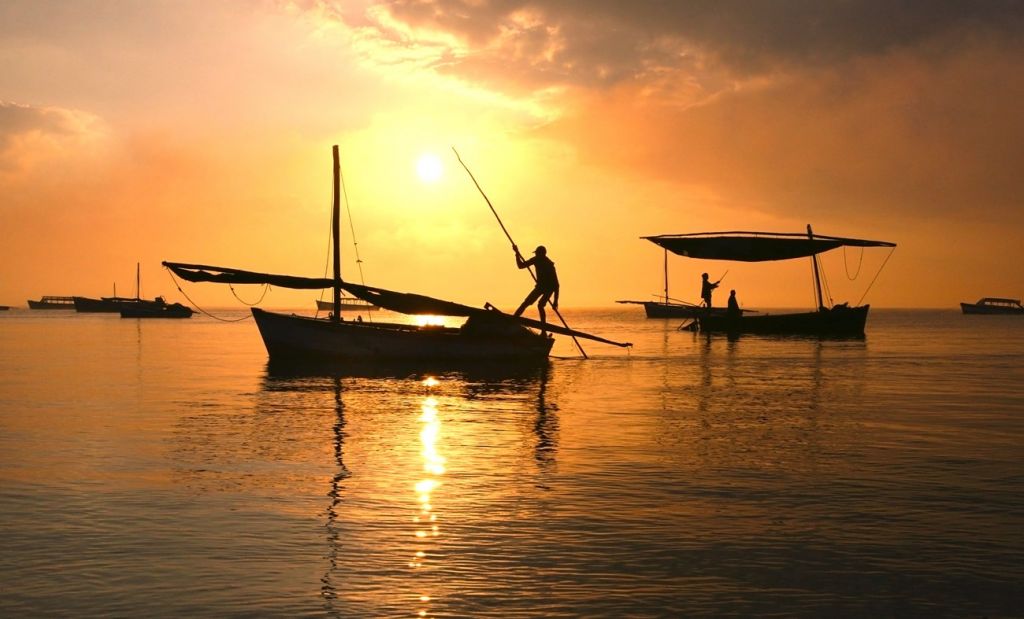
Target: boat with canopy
(487,333)
(827,320)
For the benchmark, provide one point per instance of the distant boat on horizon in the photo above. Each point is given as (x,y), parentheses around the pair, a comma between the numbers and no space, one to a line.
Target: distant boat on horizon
(667,307)
(52,303)
(4,308)
(165,310)
(993,305)
(114,304)
(347,304)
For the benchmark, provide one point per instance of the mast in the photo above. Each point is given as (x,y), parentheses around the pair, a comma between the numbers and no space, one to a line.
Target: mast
(666,277)
(336,232)
(138,283)
(817,275)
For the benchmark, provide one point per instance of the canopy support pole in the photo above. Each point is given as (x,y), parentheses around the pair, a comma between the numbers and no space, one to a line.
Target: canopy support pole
(817,276)
(509,236)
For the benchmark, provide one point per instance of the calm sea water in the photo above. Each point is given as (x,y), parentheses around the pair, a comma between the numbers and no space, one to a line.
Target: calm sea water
(160,468)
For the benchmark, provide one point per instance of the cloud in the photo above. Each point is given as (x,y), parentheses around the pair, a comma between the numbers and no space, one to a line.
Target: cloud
(793,108)
(30,134)
(518,44)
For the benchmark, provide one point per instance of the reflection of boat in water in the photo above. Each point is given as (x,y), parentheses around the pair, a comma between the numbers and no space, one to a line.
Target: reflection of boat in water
(348,304)
(834,320)
(52,303)
(162,310)
(486,334)
(993,305)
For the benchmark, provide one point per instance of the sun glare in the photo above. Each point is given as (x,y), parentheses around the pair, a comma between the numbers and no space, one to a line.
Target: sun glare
(429,168)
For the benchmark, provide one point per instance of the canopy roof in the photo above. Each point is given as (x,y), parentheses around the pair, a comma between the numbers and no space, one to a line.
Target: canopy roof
(754,246)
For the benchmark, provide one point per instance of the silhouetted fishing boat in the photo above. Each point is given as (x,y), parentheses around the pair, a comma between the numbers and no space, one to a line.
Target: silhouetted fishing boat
(52,303)
(837,320)
(114,304)
(993,305)
(487,334)
(667,307)
(348,304)
(166,310)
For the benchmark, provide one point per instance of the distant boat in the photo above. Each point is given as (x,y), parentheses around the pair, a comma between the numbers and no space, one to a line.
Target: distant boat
(487,334)
(348,304)
(173,310)
(52,303)
(114,304)
(993,305)
(4,308)
(668,307)
(837,320)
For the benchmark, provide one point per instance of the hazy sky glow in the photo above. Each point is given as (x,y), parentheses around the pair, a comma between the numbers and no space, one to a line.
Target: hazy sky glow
(200,131)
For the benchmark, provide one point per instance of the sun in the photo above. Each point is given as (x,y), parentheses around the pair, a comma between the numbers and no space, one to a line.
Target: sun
(429,168)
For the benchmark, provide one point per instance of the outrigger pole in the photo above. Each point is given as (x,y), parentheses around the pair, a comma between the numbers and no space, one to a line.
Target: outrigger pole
(509,236)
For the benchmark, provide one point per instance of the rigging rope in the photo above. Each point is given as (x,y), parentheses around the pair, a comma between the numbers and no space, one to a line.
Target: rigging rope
(860,263)
(891,251)
(199,309)
(266,288)
(355,244)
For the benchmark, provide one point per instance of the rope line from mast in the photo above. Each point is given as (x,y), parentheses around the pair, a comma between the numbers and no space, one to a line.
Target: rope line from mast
(266,289)
(884,262)
(860,263)
(199,309)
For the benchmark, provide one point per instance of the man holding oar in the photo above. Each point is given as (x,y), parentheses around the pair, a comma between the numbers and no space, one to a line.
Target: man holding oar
(547,281)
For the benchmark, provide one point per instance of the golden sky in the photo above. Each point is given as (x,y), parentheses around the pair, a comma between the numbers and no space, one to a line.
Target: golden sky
(200,131)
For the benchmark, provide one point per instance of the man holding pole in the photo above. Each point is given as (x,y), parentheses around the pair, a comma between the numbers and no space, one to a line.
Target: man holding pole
(547,281)
(706,288)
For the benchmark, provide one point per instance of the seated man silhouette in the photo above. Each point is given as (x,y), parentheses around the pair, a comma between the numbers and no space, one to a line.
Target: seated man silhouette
(547,281)
(734,306)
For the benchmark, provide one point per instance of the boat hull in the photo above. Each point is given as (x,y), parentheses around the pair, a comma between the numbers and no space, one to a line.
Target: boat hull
(112,305)
(50,305)
(291,337)
(175,310)
(655,309)
(839,321)
(973,308)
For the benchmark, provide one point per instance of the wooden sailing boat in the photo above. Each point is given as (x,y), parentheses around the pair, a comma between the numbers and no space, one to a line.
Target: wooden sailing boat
(667,307)
(115,304)
(837,320)
(487,334)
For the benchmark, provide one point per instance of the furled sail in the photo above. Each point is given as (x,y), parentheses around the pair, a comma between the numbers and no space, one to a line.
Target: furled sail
(754,246)
(402,302)
(225,275)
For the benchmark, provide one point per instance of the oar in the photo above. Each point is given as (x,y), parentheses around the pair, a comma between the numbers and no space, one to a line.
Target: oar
(509,236)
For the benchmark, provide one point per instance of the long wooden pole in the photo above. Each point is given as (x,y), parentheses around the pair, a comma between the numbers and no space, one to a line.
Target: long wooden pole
(336,233)
(509,236)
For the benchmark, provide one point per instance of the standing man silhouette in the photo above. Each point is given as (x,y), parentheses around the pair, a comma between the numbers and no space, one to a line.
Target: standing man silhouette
(547,281)
(706,288)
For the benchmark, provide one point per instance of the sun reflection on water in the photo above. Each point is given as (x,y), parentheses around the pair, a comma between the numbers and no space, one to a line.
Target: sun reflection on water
(425,520)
